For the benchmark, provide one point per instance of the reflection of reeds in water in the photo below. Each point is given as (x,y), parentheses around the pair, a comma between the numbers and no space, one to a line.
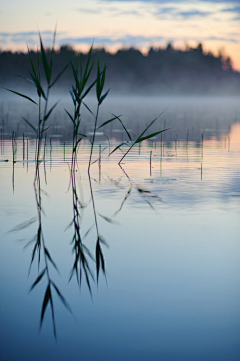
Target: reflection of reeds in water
(78,95)
(40,250)
(81,254)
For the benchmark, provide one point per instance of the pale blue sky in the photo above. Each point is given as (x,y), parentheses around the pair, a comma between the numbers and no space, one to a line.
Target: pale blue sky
(114,24)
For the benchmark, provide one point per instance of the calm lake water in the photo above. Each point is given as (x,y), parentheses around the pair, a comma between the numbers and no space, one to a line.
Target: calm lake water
(173,255)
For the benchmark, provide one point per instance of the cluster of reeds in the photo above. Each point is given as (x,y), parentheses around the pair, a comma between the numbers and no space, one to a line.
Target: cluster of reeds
(80,90)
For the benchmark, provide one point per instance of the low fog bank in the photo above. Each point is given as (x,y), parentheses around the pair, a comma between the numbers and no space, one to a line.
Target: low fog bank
(187,117)
(166,72)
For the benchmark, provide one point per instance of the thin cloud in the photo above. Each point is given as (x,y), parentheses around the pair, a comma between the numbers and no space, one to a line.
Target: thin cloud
(174,1)
(235,9)
(194,13)
(126,40)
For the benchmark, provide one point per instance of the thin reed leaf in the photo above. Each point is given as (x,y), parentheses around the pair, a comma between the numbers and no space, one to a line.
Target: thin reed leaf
(119,146)
(62,298)
(108,219)
(33,68)
(86,73)
(149,125)
(46,300)
(87,76)
(103,96)
(47,69)
(150,135)
(50,259)
(38,279)
(129,136)
(69,115)
(23,77)
(30,124)
(88,108)
(50,111)
(23,225)
(88,89)
(59,75)
(108,121)
(21,95)
(75,77)
(73,98)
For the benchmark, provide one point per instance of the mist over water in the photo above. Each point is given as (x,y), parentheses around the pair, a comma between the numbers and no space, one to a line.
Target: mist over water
(164,222)
(186,117)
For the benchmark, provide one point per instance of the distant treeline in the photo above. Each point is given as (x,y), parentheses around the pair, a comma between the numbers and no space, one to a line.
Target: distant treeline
(165,71)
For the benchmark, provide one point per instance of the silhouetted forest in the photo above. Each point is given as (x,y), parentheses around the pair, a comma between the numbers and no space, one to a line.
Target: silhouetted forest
(165,71)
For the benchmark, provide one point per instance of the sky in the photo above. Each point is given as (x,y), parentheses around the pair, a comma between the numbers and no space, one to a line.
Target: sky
(123,23)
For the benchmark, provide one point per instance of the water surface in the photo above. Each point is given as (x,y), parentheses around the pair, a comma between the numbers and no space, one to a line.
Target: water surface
(172,264)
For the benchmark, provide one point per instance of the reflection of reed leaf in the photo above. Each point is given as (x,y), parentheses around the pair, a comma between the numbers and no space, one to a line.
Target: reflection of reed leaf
(23,225)
(85,235)
(50,259)
(124,200)
(100,263)
(148,196)
(62,298)
(38,279)
(108,219)
(47,299)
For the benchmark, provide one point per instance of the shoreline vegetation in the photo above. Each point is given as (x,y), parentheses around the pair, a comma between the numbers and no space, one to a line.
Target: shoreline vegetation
(162,71)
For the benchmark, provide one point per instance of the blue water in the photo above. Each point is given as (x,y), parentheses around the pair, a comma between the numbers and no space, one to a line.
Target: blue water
(172,288)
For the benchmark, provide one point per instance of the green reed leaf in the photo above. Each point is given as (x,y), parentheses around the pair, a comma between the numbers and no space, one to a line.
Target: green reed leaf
(88,90)
(108,121)
(149,125)
(88,108)
(103,79)
(59,75)
(69,115)
(103,96)
(150,135)
(129,136)
(119,146)
(73,98)
(98,86)
(33,68)
(47,69)
(30,124)
(23,77)
(85,76)
(75,77)
(50,111)
(21,95)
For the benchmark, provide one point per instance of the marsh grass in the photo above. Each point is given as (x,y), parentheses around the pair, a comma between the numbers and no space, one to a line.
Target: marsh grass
(40,252)
(82,257)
